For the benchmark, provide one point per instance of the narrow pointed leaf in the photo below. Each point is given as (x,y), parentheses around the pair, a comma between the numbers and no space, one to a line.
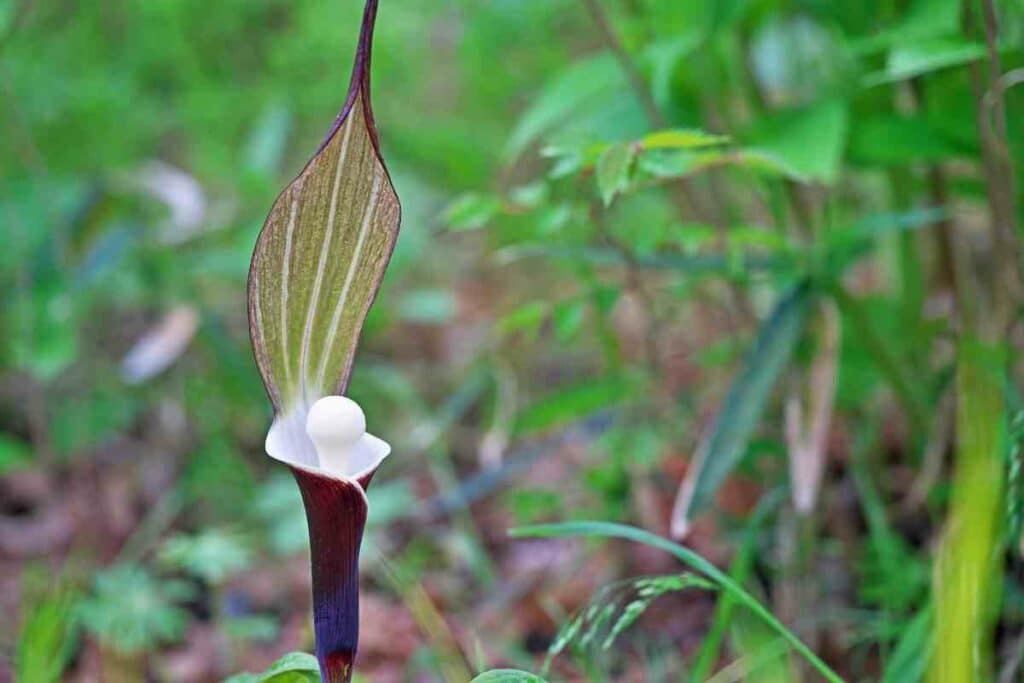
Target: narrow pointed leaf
(682,139)
(723,446)
(322,253)
(613,169)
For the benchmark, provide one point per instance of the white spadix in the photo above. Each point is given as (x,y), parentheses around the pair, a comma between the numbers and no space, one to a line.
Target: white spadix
(335,425)
(330,435)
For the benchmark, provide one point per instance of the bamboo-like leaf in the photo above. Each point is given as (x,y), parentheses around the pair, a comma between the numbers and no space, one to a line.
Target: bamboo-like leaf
(322,253)
(723,446)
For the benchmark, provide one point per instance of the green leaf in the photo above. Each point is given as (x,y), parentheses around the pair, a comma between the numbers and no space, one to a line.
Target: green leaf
(46,639)
(587,83)
(471,211)
(722,448)
(14,453)
(428,306)
(130,610)
(573,403)
(568,318)
(809,141)
(321,255)
(763,654)
(682,139)
(507,676)
(909,659)
(915,58)
(526,319)
(889,140)
(613,170)
(691,264)
(690,559)
(846,245)
(295,667)
(927,18)
(213,555)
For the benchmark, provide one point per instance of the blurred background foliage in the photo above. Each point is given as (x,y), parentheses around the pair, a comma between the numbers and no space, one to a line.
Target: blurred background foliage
(767,248)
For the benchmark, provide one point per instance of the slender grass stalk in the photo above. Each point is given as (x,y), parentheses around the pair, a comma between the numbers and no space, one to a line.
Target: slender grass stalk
(741,568)
(692,560)
(451,660)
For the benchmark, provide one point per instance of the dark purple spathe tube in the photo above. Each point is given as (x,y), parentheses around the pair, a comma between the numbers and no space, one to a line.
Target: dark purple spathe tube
(336,510)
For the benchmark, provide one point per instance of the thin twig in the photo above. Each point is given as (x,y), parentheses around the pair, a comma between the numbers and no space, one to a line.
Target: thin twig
(1005,281)
(636,79)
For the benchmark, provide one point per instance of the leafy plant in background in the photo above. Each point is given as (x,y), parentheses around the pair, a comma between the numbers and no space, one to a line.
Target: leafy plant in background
(316,269)
(131,611)
(816,107)
(700,195)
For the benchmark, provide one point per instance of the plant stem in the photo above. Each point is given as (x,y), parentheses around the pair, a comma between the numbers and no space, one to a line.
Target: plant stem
(890,365)
(966,582)
(636,79)
(1004,282)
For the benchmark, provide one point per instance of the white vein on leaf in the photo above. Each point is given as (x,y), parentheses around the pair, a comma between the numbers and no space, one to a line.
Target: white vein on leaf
(364,230)
(322,265)
(285,270)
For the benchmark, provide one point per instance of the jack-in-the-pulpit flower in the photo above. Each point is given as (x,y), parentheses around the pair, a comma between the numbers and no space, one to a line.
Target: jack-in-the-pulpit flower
(315,272)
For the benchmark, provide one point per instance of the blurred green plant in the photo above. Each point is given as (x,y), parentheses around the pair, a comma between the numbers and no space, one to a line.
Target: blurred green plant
(211,555)
(612,611)
(689,558)
(130,610)
(47,638)
(295,667)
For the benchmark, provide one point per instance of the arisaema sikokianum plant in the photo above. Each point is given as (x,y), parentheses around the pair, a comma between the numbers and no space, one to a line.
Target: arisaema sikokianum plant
(315,272)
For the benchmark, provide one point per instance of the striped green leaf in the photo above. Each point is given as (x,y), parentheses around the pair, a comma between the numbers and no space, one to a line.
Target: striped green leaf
(722,448)
(322,252)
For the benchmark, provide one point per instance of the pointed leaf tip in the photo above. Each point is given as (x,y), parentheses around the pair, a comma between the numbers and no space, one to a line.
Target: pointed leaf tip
(322,252)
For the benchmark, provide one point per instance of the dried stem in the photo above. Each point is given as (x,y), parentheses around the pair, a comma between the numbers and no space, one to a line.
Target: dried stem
(1004,287)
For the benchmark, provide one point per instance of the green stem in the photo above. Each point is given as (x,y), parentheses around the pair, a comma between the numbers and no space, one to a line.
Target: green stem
(740,570)
(913,404)
(966,582)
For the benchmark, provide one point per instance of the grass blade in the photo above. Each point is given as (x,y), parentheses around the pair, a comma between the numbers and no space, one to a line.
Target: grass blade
(690,559)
